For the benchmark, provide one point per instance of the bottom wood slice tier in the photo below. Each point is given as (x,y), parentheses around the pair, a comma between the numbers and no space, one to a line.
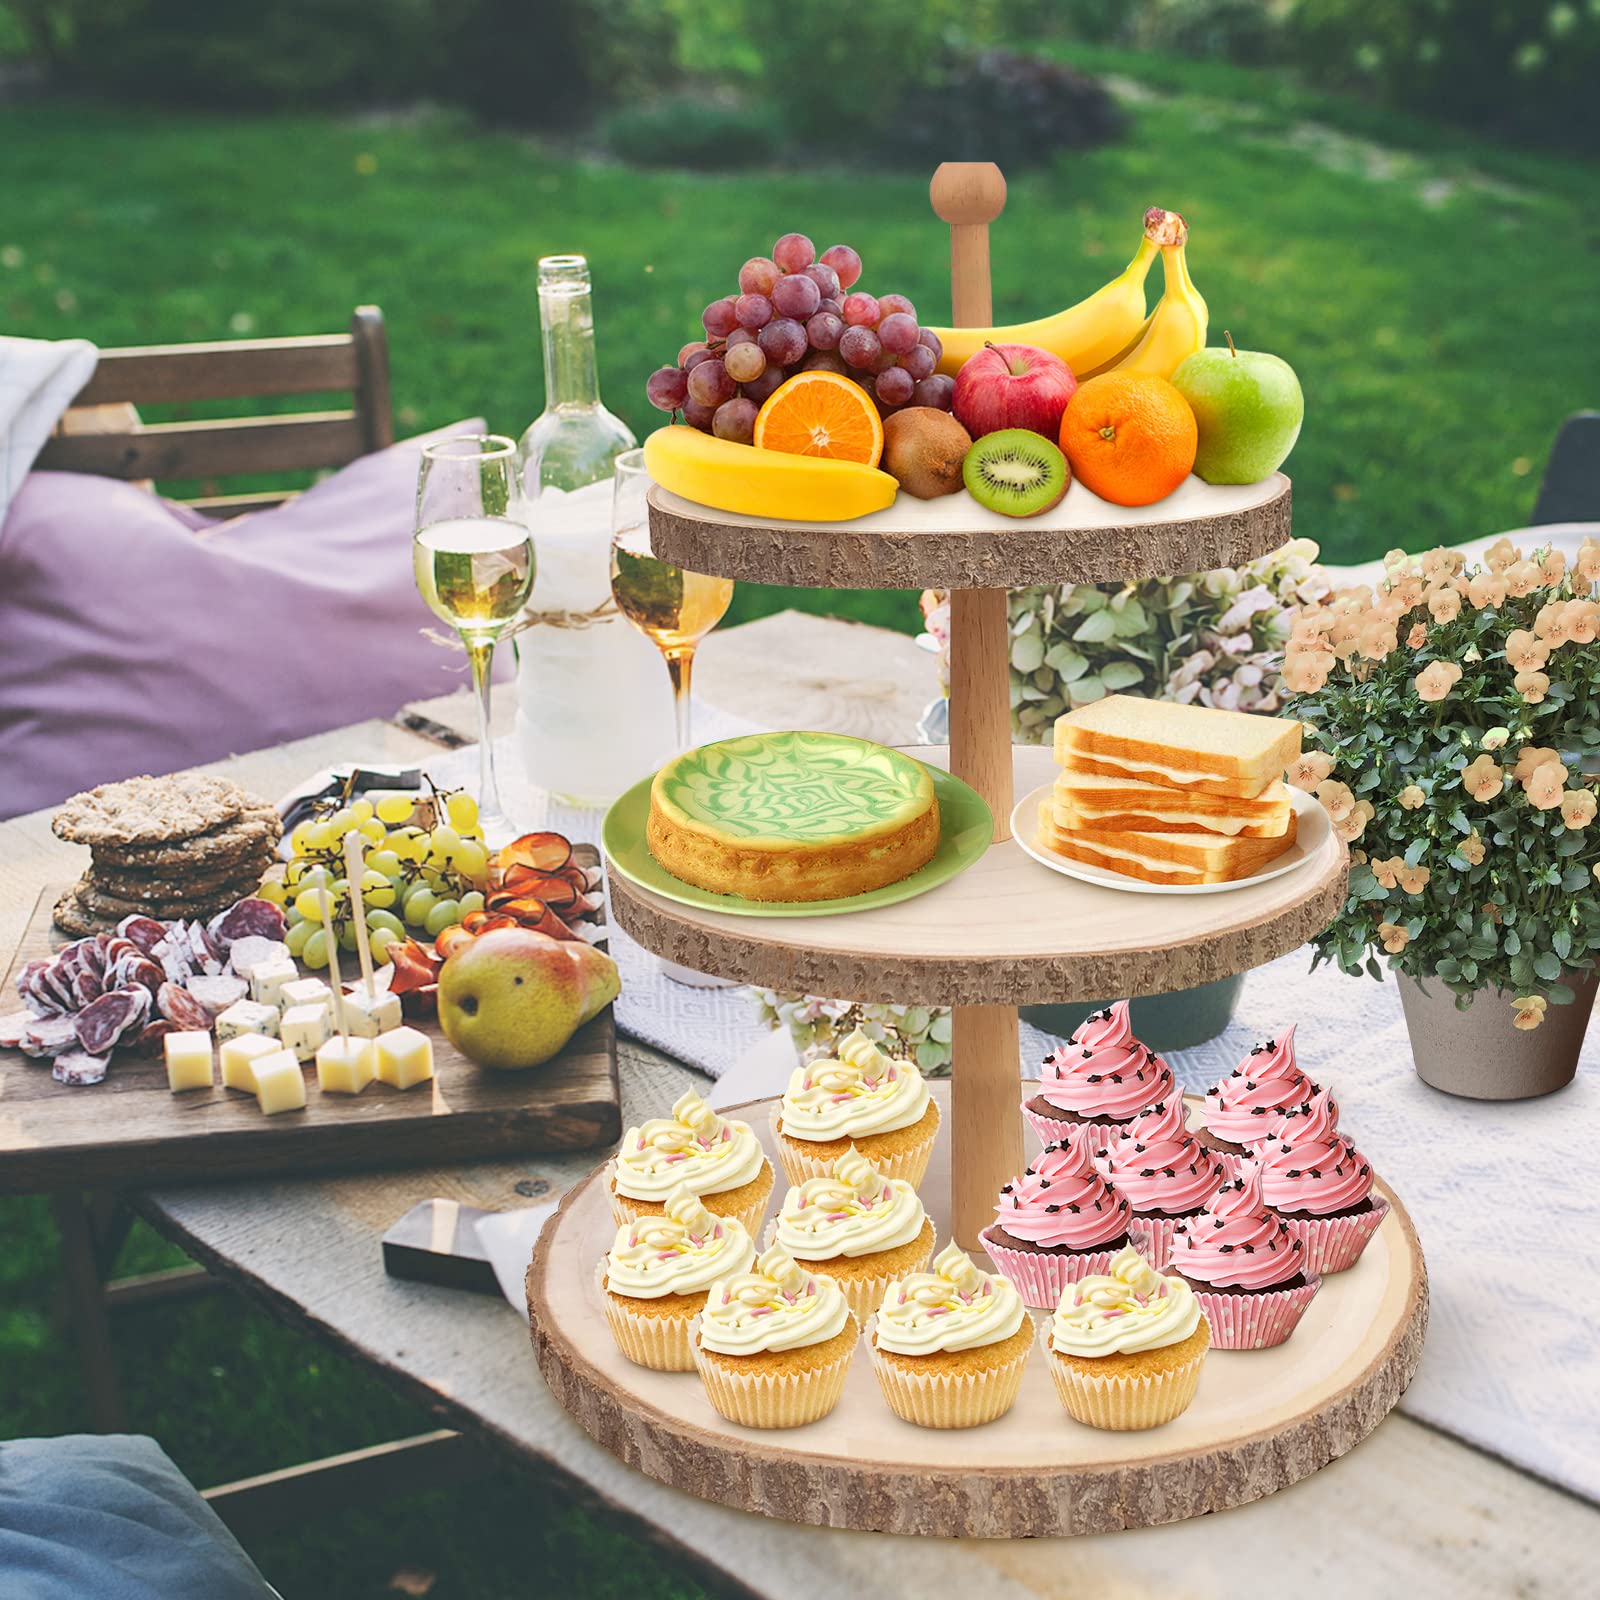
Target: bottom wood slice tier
(1261,1420)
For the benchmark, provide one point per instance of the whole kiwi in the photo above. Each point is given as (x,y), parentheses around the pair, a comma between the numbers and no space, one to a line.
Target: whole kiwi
(923,449)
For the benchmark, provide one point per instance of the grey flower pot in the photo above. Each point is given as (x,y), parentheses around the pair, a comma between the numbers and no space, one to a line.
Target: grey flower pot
(1477,1053)
(1163,1021)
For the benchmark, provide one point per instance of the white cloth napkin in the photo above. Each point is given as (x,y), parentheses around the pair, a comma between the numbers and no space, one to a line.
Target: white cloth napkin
(38,380)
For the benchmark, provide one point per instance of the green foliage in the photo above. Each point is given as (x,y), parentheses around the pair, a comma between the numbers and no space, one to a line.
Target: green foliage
(693,130)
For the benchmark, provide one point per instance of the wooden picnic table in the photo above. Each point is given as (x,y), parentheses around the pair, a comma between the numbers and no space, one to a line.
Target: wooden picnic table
(1410,1509)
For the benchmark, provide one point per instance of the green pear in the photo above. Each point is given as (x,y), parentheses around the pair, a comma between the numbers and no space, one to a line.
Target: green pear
(512,998)
(1248,408)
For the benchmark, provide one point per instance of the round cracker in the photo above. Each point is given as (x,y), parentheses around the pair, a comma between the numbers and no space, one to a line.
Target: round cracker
(258,827)
(187,908)
(73,918)
(149,810)
(176,888)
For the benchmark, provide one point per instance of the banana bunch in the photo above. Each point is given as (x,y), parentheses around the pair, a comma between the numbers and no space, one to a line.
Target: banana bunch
(1110,331)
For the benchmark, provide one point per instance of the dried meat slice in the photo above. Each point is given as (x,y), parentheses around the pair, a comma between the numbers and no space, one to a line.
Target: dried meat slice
(13,1027)
(137,972)
(101,1025)
(86,987)
(49,1036)
(144,931)
(217,991)
(177,1005)
(251,915)
(26,991)
(93,956)
(78,1068)
(57,982)
(150,1036)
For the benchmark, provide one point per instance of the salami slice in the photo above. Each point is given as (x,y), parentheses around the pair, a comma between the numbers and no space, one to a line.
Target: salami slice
(140,973)
(145,932)
(151,1035)
(86,987)
(93,956)
(49,1036)
(217,991)
(117,947)
(78,1068)
(175,964)
(14,1026)
(101,1025)
(55,982)
(26,991)
(248,916)
(177,1005)
(41,999)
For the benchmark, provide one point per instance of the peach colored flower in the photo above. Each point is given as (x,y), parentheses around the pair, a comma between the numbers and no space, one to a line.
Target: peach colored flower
(1394,937)
(1487,589)
(1532,686)
(1412,798)
(1483,778)
(1440,563)
(1394,558)
(1376,637)
(1414,879)
(1418,636)
(1552,625)
(1588,563)
(1473,848)
(1306,672)
(1311,623)
(1522,578)
(1387,871)
(1406,592)
(1336,798)
(1437,679)
(1444,605)
(1578,807)
(1582,620)
(1353,826)
(1358,856)
(1552,565)
(1495,739)
(1500,555)
(1309,769)
(1524,652)
(1530,758)
(1530,1009)
(1545,786)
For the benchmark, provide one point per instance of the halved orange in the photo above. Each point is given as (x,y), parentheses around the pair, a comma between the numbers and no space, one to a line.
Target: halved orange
(821,414)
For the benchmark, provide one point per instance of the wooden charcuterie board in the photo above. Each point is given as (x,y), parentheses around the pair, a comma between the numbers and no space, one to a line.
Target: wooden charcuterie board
(131,1129)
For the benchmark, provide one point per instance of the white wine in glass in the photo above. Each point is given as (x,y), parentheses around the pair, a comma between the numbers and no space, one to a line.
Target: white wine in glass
(672,608)
(473,560)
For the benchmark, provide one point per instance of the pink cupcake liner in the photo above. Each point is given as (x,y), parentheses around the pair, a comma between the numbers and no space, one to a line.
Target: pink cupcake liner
(1255,1321)
(1050,1131)
(1334,1244)
(1161,1234)
(1040,1279)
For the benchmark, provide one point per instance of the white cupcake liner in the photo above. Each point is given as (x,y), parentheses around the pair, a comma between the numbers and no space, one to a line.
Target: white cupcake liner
(772,1399)
(1334,1244)
(935,1399)
(1255,1321)
(1041,1278)
(623,1210)
(862,1295)
(1123,1404)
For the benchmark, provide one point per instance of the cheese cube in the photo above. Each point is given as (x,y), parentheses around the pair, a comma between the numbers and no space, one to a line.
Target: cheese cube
(405,1057)
(245,962)
(246,1016)
(239,1057)
(303,1028)
(368,1017)
(280,1085)
(306,992)
(188,1060)
(267,981)
(345,1066)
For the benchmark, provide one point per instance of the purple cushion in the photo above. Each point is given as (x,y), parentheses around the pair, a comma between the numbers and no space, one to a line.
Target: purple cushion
(136,636)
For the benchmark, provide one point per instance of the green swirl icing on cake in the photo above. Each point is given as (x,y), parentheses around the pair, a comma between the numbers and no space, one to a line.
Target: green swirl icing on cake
(805,787)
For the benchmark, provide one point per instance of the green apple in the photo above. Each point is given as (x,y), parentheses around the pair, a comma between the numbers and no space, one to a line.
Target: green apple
(1248,407)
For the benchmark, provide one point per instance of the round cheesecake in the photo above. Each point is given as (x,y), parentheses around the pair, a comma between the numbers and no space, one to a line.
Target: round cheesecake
(792,816)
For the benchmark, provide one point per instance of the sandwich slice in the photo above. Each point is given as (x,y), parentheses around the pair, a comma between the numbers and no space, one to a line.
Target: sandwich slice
(1236,754)
(1164,858)
(1093,800)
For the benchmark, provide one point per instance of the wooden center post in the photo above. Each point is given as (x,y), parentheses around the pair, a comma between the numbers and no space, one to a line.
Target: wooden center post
(985,1120)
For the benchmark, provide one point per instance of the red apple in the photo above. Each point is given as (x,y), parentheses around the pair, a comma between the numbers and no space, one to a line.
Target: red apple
(1013,386)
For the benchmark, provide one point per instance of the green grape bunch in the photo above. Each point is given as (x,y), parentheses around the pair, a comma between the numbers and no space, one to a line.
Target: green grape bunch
(416,881)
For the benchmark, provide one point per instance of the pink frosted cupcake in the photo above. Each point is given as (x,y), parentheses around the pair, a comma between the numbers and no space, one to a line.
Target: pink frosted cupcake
(1240,1109)
(1057,1223)
(1097,1082)
(1163,1172)
(1247,1270)
(1320,1184)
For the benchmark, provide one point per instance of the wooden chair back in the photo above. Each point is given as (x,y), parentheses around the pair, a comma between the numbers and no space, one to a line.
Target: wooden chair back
(112,442)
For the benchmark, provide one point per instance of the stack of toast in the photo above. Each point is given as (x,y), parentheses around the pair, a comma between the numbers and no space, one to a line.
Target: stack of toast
(1168,793)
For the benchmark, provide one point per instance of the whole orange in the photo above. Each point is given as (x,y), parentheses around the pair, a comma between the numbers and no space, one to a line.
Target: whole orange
(1130,437)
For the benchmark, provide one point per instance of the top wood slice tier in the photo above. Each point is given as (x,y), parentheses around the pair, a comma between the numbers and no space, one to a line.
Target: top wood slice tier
(953,543)
(1007,931)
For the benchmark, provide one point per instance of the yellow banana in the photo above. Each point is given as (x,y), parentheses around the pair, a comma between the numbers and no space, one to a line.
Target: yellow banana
(763,483)
(1093,335)
(1177,326)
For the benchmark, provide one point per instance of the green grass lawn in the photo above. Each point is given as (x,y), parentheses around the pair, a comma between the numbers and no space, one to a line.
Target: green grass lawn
(1435,295)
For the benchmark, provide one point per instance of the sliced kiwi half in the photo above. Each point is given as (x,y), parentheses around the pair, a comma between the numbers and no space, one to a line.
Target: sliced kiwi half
(1016,472)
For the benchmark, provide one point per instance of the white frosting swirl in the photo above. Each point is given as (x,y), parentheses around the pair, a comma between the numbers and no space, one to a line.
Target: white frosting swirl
(853,1212)
(777,1305)
(1130,1308)
(860,1093)
(684,1252)
(694,1146)
(953,1307)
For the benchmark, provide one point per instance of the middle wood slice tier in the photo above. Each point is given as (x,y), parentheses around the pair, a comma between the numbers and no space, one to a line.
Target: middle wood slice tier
(1006,932)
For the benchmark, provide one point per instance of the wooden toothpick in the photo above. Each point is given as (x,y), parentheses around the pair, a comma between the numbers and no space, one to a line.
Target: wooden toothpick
(355,844)
(325,900)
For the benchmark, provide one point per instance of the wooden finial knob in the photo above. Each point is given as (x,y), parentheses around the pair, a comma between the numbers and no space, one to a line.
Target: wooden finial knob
(968,191)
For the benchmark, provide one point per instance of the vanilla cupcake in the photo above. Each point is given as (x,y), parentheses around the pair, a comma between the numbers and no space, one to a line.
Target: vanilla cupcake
(715,1158)
(657,1274)
(860,1228)
(864,1101)
(949,1345)
(1126,1346)
(773,1344)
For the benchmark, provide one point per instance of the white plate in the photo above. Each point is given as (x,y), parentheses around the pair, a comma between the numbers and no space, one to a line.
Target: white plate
(1311,834)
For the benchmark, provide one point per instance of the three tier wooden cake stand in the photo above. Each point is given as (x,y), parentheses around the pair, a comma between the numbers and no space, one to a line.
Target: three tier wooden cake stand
(1006,932)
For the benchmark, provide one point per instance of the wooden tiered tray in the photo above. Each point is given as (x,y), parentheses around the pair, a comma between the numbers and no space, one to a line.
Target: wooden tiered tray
(1262,1419)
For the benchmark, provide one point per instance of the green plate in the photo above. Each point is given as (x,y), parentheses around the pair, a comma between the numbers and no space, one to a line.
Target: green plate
(965,828)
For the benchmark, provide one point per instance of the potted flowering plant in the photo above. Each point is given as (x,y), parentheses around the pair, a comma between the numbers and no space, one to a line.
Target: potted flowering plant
(1450,715)
(817,1027)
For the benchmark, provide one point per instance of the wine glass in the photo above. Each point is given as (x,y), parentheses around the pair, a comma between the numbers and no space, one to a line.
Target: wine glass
(672,608)
(474,564)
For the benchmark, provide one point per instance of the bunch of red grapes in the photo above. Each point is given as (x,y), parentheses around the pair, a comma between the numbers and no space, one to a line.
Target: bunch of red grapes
(797,311)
